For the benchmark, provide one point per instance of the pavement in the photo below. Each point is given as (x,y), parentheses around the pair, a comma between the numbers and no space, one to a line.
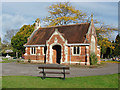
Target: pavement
(31,70)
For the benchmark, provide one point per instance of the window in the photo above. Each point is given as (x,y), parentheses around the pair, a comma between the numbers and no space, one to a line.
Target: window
(33,50)
(76,50)
(92,44)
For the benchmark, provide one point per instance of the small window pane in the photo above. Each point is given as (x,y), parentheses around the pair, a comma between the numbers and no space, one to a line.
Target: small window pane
(78,50)
(34,50)
(74,50)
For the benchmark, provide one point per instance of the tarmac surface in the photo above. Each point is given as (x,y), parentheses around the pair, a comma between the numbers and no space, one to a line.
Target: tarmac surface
(32,70)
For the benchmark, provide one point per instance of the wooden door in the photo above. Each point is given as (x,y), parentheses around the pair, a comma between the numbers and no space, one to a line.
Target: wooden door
(54,56)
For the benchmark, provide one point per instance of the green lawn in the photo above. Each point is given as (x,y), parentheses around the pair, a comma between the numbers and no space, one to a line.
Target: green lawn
(110,61)
(105,81)
(4,58)
(7,61)
(91,66)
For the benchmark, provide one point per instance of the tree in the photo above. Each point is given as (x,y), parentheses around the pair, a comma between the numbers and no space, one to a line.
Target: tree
(63,14)
(104,34)
(106,46)
(9,34)
(20,38)
(104,30)
(117,46)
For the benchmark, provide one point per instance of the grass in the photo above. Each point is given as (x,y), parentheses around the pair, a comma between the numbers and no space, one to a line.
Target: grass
(4,58)
(91,66)
(105,81)
(110,61)
(7,61)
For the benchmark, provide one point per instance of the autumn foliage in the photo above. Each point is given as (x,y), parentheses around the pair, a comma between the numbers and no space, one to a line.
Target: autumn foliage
(63,14)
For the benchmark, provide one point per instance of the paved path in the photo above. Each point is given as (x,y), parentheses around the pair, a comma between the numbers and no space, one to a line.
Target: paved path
(31,70)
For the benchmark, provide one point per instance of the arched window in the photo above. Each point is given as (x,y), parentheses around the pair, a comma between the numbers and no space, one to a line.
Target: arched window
(92,44)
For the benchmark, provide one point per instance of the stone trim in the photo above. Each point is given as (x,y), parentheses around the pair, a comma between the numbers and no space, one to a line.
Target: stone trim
(66,51)
(87,54)
(89,28)
(26,48)
(56,32)
(43,50)
(38,47)
(25,54)
(87,47)
(98,55)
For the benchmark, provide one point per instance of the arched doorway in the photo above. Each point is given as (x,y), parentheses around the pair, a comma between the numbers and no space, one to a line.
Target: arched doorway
(56,57)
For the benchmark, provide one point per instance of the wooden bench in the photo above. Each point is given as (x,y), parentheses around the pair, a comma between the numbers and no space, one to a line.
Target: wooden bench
(63,68)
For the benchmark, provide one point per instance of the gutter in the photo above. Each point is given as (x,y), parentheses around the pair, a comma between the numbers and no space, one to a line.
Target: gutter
(70,55)
(33,45)
(83,44)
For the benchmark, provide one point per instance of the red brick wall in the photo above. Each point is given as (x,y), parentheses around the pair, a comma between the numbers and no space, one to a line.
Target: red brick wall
(81,57)
(39,54)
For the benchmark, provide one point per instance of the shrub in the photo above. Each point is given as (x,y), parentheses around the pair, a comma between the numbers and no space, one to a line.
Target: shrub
(29,60)
(18,60)
(93,59)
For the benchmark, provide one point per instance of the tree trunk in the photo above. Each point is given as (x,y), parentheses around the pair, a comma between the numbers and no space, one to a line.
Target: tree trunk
(17,54)
(102,56)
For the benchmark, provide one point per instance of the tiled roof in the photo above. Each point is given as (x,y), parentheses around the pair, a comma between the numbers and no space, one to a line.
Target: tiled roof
(72,33)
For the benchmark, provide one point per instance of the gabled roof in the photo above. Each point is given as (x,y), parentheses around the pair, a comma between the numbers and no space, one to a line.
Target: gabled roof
(72,33)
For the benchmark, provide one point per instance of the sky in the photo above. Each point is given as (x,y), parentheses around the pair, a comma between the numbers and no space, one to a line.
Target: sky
(14,15)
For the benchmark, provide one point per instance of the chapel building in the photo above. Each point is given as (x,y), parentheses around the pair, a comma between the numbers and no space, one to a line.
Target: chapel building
(65,44)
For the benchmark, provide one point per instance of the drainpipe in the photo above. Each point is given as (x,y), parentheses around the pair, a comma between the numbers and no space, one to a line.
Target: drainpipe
(70,54)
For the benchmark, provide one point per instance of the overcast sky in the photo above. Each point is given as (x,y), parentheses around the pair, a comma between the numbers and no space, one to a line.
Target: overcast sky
(16,14)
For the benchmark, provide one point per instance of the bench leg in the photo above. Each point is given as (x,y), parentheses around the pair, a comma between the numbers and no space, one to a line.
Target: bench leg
(44,75)
(64,76)
(64,73)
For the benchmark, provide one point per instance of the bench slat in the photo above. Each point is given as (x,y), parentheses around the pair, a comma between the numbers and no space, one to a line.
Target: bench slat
(55,72)
(53,67)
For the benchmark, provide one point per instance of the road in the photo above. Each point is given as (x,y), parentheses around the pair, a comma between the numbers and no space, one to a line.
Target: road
(31,70)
